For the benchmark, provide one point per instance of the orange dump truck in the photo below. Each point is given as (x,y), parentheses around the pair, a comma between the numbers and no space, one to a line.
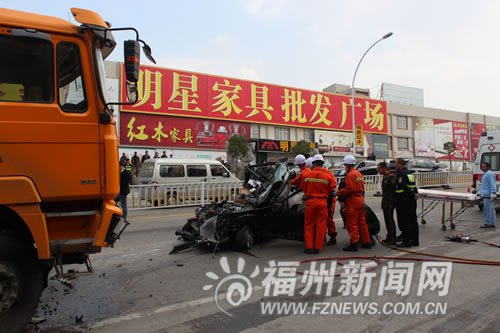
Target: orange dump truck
(59,167)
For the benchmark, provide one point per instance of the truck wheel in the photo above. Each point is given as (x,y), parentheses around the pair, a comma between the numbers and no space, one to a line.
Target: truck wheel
(243,238)
(21,282)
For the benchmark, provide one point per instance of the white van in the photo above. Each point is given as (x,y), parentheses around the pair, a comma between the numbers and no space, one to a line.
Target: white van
(178,180)
(488,151)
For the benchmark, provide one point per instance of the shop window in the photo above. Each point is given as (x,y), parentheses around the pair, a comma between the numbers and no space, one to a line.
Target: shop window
(255,132)
(309,135)
(282,133)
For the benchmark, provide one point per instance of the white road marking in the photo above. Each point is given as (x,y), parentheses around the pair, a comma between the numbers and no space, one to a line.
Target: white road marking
(163,309)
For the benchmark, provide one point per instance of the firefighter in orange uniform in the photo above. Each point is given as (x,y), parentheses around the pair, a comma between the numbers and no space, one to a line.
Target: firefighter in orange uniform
(353,192)
(318,184)
(331,202)
(300,161)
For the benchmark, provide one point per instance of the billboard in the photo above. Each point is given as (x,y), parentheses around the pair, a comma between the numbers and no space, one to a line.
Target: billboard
(178,93)
(454,131)
(424,137)
(330,141)
(177,132)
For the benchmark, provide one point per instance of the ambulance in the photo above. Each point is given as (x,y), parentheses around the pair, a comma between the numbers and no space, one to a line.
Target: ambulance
(488,151)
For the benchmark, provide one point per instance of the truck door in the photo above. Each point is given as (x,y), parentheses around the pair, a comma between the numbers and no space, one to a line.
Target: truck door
(50,131)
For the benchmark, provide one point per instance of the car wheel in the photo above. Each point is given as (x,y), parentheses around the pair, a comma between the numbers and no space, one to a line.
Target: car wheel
(21,282)
(243,238)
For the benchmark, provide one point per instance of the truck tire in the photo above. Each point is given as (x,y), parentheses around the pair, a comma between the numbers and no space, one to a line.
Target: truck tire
(21,282)
(243,238)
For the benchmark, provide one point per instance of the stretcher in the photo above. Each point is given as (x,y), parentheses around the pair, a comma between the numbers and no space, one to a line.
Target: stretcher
(436,198)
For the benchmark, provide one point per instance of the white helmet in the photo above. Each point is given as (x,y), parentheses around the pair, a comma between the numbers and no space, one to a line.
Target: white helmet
(349,160)
(300,159)
(318,157)
(309,162)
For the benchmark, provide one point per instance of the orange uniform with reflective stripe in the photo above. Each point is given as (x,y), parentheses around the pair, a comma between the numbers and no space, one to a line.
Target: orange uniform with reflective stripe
(355,207)
(318,183)
(299,180)
(330,224)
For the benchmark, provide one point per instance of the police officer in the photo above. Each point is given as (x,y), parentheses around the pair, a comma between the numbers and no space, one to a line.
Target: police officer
(406,204)
(388,203)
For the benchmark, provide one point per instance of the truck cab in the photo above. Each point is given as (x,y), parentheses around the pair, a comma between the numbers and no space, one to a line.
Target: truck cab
(59,170)
(488,151)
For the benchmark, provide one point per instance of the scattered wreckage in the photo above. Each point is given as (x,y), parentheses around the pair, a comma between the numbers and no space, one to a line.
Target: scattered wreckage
(268,206)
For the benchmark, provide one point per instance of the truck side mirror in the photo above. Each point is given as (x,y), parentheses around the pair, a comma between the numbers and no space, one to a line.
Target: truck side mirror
(132,60)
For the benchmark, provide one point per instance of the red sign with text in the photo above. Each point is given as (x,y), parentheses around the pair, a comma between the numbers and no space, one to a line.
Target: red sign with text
(179,93)
(177,132)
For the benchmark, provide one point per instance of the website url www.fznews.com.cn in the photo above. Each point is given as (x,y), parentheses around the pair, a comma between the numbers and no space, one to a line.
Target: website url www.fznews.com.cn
(353,308)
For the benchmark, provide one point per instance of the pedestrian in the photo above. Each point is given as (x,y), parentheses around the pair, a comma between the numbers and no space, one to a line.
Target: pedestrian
(128,166)
(353,192)
(406,204)
(300,161)
(123,158)
(388,203)
(164,155)
(124,189)
(317,187)
(157,155)
(488,193)
(145,157)
(136,164)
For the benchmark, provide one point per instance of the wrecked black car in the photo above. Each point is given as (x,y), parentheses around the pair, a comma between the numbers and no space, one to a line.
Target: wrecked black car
(268,206)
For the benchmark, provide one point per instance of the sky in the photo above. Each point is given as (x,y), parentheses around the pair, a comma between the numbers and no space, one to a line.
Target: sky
(450,49)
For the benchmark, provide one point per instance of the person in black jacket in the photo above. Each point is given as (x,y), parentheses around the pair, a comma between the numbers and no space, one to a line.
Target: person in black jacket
(121,198)
(406,204)
(388,203)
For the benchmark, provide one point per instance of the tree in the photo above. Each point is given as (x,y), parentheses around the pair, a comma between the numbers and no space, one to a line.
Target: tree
(237,149)
(237,146)
(302,147)
(449,147)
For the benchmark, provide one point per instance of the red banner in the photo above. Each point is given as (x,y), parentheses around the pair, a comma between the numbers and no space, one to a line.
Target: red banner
(177,132)
(179,93)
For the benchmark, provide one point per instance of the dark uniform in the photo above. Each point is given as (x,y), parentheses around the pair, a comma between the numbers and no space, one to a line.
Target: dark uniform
(406,206)
(389,204)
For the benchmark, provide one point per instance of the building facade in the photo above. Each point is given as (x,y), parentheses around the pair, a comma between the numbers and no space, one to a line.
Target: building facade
(192,115)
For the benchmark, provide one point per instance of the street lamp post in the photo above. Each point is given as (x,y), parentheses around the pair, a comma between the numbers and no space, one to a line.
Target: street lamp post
(387,35)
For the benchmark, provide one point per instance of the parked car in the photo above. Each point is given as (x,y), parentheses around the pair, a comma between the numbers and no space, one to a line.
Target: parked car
(419,165)
(171,178)
(367,168)
(272,208)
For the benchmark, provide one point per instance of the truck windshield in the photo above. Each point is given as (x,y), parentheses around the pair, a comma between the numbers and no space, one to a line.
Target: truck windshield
(101,74)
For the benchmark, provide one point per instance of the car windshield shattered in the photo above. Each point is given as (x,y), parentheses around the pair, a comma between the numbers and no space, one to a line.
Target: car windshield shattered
(267,206)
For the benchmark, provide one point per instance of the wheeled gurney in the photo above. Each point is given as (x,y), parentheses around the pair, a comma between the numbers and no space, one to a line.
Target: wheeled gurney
(435,198)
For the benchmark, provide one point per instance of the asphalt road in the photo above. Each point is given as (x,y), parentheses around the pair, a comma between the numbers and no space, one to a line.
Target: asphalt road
(138,287)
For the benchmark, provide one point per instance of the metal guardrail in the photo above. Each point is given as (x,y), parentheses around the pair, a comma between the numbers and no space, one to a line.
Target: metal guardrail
(196,194)
(180,195)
